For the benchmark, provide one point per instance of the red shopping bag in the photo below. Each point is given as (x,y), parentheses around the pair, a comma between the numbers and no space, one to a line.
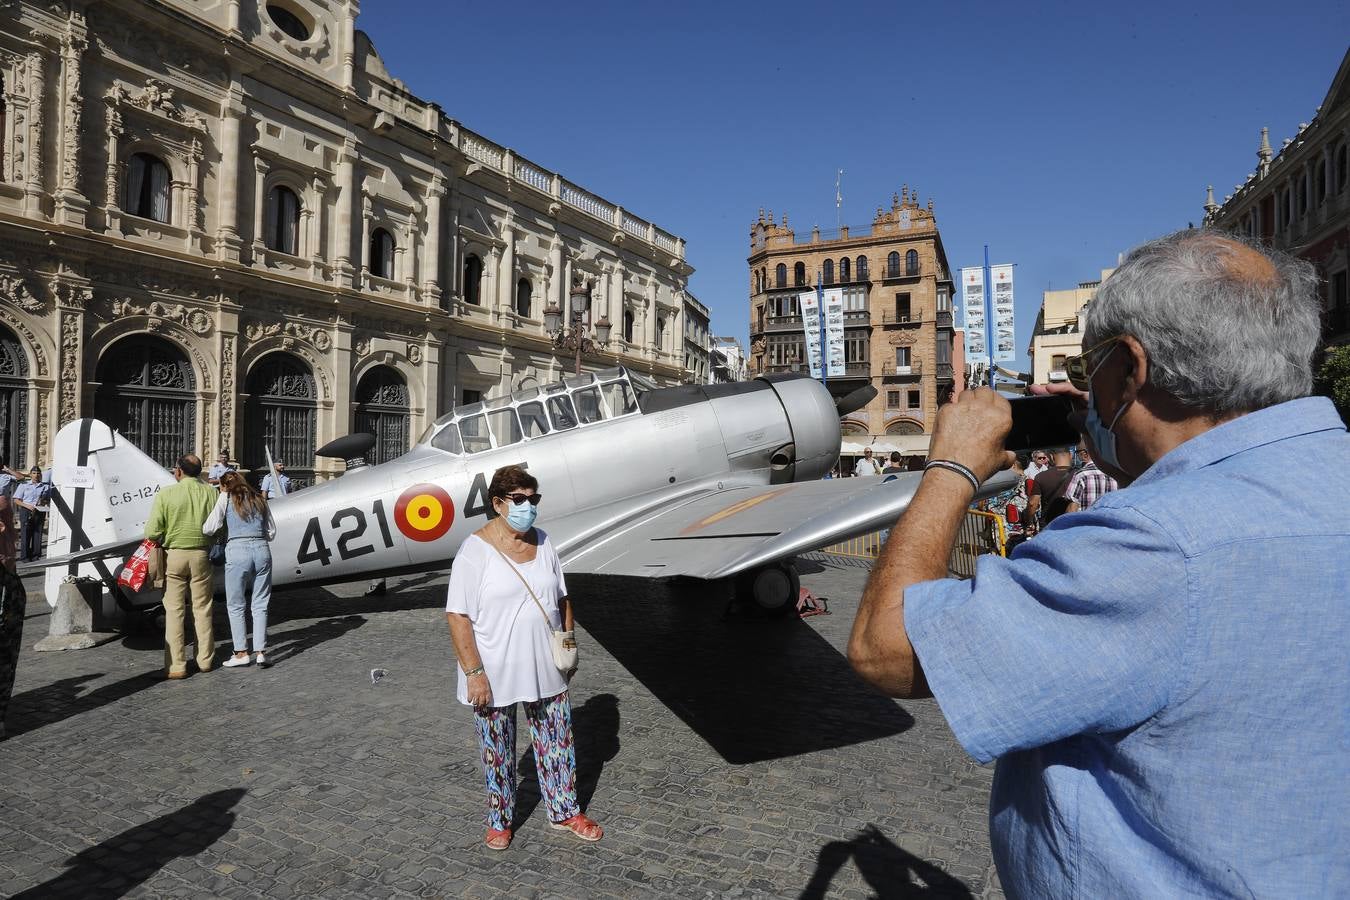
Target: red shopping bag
(133,574)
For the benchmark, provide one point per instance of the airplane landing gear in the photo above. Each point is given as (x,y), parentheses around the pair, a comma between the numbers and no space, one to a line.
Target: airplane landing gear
(770,590)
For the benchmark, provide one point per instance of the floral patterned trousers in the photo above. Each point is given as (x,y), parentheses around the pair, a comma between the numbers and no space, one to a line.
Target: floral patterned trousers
(554,757)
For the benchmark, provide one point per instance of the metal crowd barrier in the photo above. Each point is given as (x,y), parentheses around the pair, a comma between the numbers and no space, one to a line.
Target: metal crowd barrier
(980,533)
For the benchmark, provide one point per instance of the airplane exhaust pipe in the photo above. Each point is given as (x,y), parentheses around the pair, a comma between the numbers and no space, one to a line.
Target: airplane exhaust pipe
(852,402)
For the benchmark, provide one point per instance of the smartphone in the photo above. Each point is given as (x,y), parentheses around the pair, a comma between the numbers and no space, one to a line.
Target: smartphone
(1041,422)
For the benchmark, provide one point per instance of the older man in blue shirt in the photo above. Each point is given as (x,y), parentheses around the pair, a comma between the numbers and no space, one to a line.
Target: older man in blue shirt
(1162,678)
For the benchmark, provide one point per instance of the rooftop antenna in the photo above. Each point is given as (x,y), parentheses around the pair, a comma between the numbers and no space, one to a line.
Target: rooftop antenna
(838,201)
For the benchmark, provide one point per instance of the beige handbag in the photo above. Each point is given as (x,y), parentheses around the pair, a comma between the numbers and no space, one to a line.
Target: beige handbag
(564,657)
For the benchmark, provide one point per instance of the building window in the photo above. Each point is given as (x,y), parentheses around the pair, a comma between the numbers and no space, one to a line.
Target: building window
(912,263)
(784,305)
(283,221)
(893,264)
(288,22)
(382,254)
(148,188)
(523,292)
(784,349)
(13,399)
(383,408)
(829,271)
(473,279)
(628,325)
(862,268)
(903,312)
(1321,183)
(780,275)
(915,399)
(855,348)
(855,299)
(902,358)
(944,300)
(843,269)
(799,274)
(1057,362)
(147,392)
(471,396)
(1303,194)
(660,332)
(892,399)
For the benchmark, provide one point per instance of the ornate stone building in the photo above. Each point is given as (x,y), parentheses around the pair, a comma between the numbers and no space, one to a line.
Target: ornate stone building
(227,225)
(897,311)
(1298,200)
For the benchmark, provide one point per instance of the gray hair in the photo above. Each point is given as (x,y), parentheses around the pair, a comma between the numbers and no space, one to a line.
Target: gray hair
(1225,332)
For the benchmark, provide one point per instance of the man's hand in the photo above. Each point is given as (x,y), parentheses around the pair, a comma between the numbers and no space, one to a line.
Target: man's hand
(971,431)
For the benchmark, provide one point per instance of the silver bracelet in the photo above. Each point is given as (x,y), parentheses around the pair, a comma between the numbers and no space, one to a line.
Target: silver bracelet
(476,670)
(956,467)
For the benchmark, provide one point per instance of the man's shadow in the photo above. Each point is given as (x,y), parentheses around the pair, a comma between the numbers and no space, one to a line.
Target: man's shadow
(595,737)
(887,869)
(286,645)
(122,862)
(65,698)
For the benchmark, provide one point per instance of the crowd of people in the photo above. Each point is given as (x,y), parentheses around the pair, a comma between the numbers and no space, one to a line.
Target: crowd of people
(1050,482)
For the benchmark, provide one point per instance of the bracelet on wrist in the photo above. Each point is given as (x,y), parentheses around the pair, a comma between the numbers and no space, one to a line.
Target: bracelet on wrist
(952,466)
(476,670)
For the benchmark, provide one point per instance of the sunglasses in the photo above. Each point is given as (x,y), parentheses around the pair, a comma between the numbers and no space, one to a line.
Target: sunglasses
(1077,368)
(517,499)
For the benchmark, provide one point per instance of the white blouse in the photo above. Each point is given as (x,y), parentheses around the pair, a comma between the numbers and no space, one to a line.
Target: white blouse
(512,635)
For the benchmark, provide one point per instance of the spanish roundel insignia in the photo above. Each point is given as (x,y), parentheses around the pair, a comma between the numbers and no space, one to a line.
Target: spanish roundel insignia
(424,512)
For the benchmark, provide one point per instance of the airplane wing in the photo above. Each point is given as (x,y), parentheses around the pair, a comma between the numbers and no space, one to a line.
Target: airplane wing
(722,531)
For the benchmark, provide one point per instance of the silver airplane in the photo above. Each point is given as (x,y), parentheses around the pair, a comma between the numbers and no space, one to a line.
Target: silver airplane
(701,481)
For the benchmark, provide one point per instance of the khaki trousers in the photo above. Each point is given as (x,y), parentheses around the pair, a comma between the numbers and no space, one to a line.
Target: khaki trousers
(184,569)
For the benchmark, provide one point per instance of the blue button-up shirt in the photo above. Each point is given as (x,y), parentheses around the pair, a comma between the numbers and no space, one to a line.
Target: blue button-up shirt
(270,490)
(35,494)
(1164,678)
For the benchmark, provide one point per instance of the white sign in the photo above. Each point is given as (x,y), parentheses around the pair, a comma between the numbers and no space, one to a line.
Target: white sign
(834,331)
(1005,339)
(972,306)
(76,477)
(811,328)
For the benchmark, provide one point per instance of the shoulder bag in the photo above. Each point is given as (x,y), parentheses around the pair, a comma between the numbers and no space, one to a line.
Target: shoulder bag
(563,643)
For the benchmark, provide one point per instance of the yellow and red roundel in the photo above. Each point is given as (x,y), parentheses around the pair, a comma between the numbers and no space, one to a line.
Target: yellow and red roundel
(424,512)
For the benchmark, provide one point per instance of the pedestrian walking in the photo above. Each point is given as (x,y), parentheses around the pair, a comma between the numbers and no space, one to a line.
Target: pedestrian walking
(1088,484)
(507,598)
(276,484)
(176,518)
(244,515)
(13,605)
(867,465)
(31,499)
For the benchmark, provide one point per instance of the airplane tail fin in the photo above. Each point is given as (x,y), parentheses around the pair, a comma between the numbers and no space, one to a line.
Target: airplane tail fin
(103,489)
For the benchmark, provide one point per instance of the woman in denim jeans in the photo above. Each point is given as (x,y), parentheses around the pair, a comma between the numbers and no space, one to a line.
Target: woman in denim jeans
(243,512)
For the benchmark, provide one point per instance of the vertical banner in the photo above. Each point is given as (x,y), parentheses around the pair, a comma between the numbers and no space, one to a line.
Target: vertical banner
(834,332)
(811,328)
(1005,339)
(972,305)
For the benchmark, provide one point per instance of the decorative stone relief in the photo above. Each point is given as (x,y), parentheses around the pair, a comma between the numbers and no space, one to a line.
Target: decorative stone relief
(362,347)
(415,354)
(227,393)
(904,338)
(16,290)
(388,326)
(315,47)
(290,332)
(70,366)
(156,98)
(18,325)
(71,52)
(198,321)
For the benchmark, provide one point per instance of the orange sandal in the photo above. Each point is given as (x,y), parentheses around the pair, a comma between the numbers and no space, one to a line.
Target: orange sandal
(497,840)
(582,827)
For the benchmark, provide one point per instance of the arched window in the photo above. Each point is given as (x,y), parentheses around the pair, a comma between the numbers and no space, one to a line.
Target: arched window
(283,221)
(13,399)
(660,332)
(780,275)
(828,271)
(473,279)
(280,416)
(523,292)
(893,264)
(381,253)
(912,262)
(843,269)
(628,325)
(288,21)
(147,392)
(382,406)
(799,274)
(147,193)
(862,268)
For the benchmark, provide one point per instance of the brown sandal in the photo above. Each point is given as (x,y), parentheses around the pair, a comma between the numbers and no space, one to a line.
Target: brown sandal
(582,827)
(497,840)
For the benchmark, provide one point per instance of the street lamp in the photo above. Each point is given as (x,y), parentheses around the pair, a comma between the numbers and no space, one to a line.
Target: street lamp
(574,337)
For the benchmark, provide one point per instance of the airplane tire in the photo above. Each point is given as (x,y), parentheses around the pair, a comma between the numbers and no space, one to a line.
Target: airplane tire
(772,590)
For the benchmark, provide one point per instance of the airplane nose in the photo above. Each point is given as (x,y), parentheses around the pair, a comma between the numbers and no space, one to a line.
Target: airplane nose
(814,422)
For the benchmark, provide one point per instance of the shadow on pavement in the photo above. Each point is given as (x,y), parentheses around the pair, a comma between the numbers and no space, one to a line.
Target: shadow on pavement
(287,645)
(754,690)
(313,603)
(62,699)
(595,737)
(116,866)
(888,870)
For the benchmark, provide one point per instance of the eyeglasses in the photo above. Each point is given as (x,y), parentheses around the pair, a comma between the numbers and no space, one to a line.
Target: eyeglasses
(518,498)
(1077,367)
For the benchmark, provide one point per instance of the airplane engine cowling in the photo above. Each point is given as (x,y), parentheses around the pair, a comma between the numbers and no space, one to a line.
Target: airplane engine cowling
(814,421)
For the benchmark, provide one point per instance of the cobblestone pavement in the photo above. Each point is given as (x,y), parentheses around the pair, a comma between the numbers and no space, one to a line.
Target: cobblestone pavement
(725,757)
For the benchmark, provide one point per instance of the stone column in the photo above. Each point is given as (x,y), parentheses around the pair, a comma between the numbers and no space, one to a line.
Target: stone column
(649,322)
(349,44)
(259,206)
(405,259)
(566,286)
(318,192)
(342,222)
(506,287)
(364,282)
(454,275)
(342,376)
(70,326)
(431,255)
(231,385)
(228,243)
(32,199)
(112,213)
(557,287)
(71,205)
(614,297)
(196,236)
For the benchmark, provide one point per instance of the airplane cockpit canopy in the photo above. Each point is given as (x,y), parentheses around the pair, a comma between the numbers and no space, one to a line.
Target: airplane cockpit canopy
(534,412)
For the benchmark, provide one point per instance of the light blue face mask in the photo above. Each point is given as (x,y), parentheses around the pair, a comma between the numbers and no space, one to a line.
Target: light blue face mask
(521,516)
(1102,436)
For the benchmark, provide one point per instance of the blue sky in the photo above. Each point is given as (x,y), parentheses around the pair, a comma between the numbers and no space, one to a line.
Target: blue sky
(1059,134)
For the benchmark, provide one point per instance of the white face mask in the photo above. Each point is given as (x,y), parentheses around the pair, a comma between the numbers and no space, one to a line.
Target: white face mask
(1103,436)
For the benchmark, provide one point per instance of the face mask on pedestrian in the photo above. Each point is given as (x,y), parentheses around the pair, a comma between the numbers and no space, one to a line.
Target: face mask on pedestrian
(520,516)
(1102,436)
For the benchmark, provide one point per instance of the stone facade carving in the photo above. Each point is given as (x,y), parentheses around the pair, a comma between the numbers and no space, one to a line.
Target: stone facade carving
(198,321)
(226,395)
(415,354)
(19,325)
(14,289)
(290,332)
(361,347)
(157,98)
(70,366)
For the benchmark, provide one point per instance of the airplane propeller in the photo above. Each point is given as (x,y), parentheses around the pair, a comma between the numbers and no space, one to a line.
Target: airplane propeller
(856,400)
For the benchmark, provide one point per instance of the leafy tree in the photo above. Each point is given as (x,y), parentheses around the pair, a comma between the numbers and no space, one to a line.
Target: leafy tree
(1334,378)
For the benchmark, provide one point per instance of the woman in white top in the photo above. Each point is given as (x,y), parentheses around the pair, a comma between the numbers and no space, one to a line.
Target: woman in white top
(502,641)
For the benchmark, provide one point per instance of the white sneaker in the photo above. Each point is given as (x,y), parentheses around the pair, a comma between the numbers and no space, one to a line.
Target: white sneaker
(236,661)
(262,661)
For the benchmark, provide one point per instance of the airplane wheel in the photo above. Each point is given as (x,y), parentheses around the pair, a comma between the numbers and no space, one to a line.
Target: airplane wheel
(772,590)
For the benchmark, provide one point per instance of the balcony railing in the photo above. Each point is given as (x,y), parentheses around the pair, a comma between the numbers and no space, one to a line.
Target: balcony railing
(913,370)
(913,317)
(893,272)
(944,372)
(783,323)
(858,368)
(944,318)
(857,317)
